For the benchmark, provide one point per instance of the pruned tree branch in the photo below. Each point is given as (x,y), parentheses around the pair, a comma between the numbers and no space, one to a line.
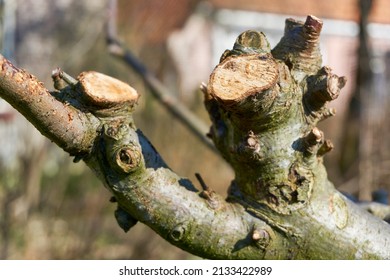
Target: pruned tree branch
(264,106)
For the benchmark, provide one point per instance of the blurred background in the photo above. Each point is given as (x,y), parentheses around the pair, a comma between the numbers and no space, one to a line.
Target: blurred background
(52,208)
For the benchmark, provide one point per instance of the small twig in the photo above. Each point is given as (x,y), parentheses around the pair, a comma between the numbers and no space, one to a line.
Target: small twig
(61,79)
(208,194)
(201,182)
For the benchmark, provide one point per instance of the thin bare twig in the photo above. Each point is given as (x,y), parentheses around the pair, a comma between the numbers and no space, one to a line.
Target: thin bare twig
(159,91)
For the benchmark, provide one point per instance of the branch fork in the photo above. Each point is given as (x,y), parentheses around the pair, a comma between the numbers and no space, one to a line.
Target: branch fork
(264,106)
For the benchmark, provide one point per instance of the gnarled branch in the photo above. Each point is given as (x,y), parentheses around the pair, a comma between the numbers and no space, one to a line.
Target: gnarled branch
(265,106)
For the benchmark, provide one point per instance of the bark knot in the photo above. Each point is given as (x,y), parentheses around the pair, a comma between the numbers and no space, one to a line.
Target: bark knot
(128,158)
(261,238)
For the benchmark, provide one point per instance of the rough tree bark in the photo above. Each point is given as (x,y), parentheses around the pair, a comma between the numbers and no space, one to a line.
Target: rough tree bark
(264,106)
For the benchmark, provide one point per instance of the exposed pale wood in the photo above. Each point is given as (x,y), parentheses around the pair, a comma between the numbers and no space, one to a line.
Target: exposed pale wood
(239,77)
(103,90)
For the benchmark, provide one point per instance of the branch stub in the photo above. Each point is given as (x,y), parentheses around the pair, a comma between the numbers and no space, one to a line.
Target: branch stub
(239,77)
(104,91)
